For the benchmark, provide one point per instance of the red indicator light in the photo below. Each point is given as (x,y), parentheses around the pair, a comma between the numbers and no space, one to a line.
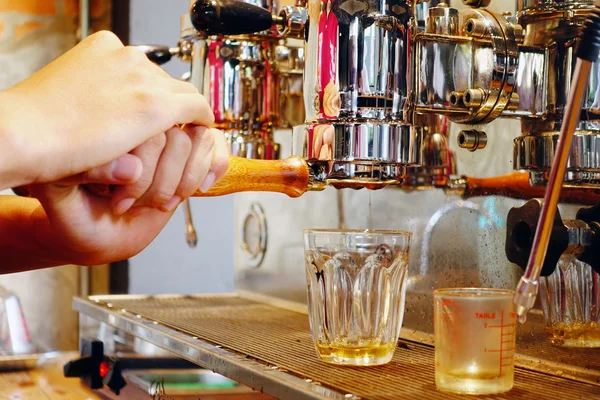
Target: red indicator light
(103,369)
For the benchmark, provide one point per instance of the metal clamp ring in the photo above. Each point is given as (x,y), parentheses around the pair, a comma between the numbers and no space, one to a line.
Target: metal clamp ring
(255,256)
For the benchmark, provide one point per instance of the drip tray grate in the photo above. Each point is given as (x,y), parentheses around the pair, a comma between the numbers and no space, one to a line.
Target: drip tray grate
(270,349)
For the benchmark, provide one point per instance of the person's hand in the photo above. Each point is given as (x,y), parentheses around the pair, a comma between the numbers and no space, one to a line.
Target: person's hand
(96,230)
(95,103)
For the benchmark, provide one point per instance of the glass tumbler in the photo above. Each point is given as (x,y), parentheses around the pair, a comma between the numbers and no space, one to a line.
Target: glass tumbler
(356,290)
(475,335)
(570,299)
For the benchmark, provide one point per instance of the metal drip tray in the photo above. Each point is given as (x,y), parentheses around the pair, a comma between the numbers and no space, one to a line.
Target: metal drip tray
(268,347)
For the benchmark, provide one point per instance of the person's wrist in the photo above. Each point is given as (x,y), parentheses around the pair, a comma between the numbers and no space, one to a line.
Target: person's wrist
(16,168)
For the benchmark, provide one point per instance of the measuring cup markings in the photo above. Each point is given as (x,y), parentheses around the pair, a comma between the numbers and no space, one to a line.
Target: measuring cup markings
(504,353)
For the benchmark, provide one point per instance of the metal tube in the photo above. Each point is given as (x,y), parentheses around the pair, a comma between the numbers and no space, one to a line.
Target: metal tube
(528,286)
(84,19)
(341,212)
(190,232)
(84,30)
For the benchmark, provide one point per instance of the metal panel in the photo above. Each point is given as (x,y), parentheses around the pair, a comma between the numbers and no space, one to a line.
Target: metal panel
(270,349)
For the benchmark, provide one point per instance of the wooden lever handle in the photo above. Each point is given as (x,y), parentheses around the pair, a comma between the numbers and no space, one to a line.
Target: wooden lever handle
(516,185)
(289,176)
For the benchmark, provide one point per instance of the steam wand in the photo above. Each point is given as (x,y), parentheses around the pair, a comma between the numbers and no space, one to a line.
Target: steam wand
(587,53)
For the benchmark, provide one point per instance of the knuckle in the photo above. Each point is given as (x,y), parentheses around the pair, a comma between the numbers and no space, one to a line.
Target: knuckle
(106,37)
(159,196)
(136,78)
(208,140)
(191,88)
(196,132)
(134,55)
(137,189)
(156,144)
(190,182)
(204,110)
(179,140)
(150,103)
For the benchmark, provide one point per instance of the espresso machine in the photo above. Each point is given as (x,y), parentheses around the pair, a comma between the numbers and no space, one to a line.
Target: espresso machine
(447,117)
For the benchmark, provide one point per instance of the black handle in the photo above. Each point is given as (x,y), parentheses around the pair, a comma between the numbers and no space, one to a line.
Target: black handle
(591,255)
(589,45)
(521,225)
(157,54)
(229,17)
(88,366)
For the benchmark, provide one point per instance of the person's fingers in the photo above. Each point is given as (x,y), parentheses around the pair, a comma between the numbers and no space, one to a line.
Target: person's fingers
(149,153)
(124,170)
(200,161)
(180,86)
(192,109)
(169,171)
(220,161)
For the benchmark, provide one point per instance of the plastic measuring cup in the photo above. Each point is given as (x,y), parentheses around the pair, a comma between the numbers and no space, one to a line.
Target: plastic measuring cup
(475,335)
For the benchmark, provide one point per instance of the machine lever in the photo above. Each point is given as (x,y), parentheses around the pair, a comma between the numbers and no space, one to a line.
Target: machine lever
(229,17)
(515,185)
(289,176)
(159,54)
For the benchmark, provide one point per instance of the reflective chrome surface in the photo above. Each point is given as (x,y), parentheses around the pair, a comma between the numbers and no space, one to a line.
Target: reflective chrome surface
(536,154)
(460,55)
(546,67)
(289,58)
(541,5)
(356,60)
(239,81)
(252,82)
(438,161)
(546,60)
(368,152)
(356,82)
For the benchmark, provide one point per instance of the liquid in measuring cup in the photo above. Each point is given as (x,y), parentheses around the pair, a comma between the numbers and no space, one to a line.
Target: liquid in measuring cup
(475,335)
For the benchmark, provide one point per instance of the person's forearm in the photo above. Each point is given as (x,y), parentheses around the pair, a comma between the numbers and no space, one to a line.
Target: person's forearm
(15,151)
(26,238)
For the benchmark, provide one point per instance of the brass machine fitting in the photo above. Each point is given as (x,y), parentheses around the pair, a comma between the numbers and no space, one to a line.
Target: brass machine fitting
(472,140)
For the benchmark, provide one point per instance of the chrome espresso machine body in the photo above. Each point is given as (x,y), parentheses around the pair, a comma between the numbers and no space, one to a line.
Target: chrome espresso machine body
(395,94)
(253,82)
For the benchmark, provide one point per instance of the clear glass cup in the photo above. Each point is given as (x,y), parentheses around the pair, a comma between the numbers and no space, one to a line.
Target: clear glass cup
(475,335)
(356,290)
(14,335)
(570,299)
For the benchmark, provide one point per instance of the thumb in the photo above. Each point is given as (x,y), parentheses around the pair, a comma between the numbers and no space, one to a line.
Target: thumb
(124,170)
(62,194)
